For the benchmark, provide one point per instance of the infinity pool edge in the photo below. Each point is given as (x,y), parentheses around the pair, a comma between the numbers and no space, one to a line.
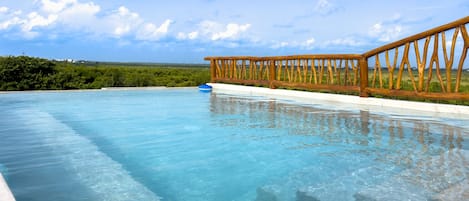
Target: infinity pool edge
(401,107)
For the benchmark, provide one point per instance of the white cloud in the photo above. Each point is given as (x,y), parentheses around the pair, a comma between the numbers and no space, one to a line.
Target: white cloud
(86,17)
(4,9)
(214,31)
(121,22)
(52,18)
(325,7)
(56,6)
(79,14)
(231,32)
(11,22)
(309,43)
(151,32)
(9,19)
(124,22)
(191,36)
(386,32)
(36,20)
(69,13)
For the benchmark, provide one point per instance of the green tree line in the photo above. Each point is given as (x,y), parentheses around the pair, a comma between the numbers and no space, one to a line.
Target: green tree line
(29,73)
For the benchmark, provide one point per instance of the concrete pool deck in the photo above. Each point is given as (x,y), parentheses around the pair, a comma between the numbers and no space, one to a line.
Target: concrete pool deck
(348,102)
(5,193)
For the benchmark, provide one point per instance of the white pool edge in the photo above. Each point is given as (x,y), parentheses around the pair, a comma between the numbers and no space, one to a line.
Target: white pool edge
(386,105)
(5,192)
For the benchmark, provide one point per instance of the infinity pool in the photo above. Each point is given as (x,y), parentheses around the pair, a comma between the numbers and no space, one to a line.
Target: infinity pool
(183,145)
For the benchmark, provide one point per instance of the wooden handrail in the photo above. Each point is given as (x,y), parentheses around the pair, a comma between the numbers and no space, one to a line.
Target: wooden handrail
(289,57)
(418,36)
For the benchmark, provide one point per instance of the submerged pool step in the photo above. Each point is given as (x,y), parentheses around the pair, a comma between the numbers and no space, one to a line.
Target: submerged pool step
(441,177)
(312,184)
(104,177)
(268,193)
(456,192)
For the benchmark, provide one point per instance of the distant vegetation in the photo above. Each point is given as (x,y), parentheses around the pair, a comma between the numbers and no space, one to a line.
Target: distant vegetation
(28,73)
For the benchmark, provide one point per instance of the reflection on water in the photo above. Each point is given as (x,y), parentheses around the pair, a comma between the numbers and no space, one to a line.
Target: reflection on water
(338,126)
(421,148)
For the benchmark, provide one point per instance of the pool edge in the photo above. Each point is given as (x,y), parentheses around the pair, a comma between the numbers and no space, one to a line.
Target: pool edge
(360,103)
(5,192)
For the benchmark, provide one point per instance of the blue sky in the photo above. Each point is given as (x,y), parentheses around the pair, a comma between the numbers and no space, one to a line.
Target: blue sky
(185,31)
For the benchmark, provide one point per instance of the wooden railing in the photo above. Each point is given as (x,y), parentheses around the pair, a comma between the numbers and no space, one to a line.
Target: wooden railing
(425,65)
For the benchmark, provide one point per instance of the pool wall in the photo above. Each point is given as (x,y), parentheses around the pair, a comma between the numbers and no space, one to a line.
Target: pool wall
(5,193)
(350,102)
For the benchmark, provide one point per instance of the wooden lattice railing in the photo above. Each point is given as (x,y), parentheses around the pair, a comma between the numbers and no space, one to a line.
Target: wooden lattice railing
(425,66)
(329,72)
(427,63)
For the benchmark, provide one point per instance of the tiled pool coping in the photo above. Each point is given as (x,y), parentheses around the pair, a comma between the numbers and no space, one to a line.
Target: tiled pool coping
(5,193)
(351,102)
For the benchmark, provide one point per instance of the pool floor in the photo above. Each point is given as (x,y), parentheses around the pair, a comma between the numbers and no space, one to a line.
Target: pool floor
(184,145)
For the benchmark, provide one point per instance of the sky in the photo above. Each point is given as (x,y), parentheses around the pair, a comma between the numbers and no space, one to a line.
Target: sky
(186,31)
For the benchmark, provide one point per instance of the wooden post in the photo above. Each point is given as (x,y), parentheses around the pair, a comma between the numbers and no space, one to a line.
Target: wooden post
(213,70)
(363,63)
(272,74)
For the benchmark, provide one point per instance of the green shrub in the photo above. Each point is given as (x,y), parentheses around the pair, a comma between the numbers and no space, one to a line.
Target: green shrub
(27,73)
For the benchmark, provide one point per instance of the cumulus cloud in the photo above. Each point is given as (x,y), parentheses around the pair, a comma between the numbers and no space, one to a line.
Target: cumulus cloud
(36,20)
(149,31)
(9,19)
(69,13)
(232,31)
(10,22)
(56,6)
(87,17)
(215,31)
(76,14)
(387,31)
(122,21)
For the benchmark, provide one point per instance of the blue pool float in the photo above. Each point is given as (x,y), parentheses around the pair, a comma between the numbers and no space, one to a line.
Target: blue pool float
(205,88)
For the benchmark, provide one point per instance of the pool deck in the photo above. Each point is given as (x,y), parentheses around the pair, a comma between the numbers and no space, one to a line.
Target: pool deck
(348,102)
(5,193)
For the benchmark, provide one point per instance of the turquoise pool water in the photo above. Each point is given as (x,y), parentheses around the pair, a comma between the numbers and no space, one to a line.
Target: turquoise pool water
(183,145)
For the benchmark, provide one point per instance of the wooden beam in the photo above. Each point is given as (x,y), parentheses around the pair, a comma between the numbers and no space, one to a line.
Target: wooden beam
(415,94)
(289,57)
(338,88)
(244,82)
